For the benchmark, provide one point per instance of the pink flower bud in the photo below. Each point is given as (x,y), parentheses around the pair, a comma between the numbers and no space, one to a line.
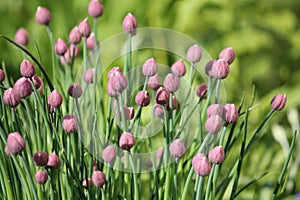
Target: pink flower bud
(216,155)
(118,81)
(158,110)
(40,158)
(220,69)
(202,90)
(6,150)
(95,8)
(110,91)
(194,54)
(88,76)
(177,148)
(230,113)
(109,153)
(74,36)
(75,90)
(15,143)
(150,67)
(86,182)
(73,51)
(41,177)
(55,99)
(142,98)
(113,71)
(213,124)
(201,165)
(130,24)
(214,109)
(90,41)
(53,161)
(126,141)
(98,178)
(208,67)
(37,82)
(227,54)
(278,102)
(27,69)
(22,87)
(171,83)
(84,28)
(154,82)
(61,47)
(162,96)
(159,153)
(10,99)
(178,68)
(69,123)
(2,75)
(129,112)
(175,103)
(42,16)
(21,37)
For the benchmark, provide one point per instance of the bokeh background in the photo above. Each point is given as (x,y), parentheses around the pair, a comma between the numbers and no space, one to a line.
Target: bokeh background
(265,35)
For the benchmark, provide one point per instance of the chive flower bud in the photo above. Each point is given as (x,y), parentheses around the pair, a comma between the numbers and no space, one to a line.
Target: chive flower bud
(2,75)
(10,98)
(208,67)
(95,8)
(177,148)
(61,47)
(84,28)
(220,69)
(216,155)
(40,158)
(37,81)
(142,98)
(202,90)
(278,102)
(150,67)
(55,99)
(194,54)
(98,178)
(41,177)
(42,16)
(27,69)
(171,83)
(85,182)
(162,96)
(154,82)
(75,90)
(21,37)
(130,24)
(215,109)
(227,54)
(74,36)
(88,76)
(129,112)
(22,87)
(117,81)
(213,124)
(53,161)
(15,143)
(230,113)
(109,154)
(201,165)
(6,150)
(175,103)
(90,42)
(158,110)
(178,68)
(126,141)
(69,123)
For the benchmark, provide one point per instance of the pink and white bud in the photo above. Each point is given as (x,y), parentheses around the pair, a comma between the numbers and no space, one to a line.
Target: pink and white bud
(41,177)
(40,158)
(10,98)
(230,113)
(88,76)
(171,83)
(214,109)
(42,16)
(21,37)
(142,98)
(154,82)
(158,110)
(113,71)
(126,141)
(150,67)
(278,102)
(109,154)
(22,87)
(162,96)
(74,36)
(227,54)
(75,90)
(55,99)
(194,54)
(95,8)
(15,143)
(213,124)
(178,68)
(201,91)
(53,161)
(216,155)
(84,28)
(61,47)
(201,165)
(177,148)
(98,178)
(220,69)
(110,91)
(130,24)
(27,69)
(69,123)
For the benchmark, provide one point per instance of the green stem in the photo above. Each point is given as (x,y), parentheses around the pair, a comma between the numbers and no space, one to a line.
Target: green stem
(199,189)
(136,190)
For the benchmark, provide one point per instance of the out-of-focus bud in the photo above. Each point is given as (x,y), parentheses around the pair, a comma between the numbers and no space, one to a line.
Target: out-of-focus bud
(220,69)
(227,54)
(171,83)
(74,36)
(230,113)
(177,148)
(142,98)
(95,8)
(90,42)
(2,75)
(178,68)
(158,110)
(194,54)
(109,153)
(6,150)
(55,99)
(216,155)
(213,124)
(75,90)
(202,90)
(130,24)
(129,112)
(37,81)
(27,69)
(42,16)
(69,123)
(208,67)
(98,178)
(201,165)
(21,37)
(53,161)
(162,96)
(175,103)
(126,141)
(15,143)
(118,81)
(86,182)
(61,47)
(22,87)
(150,67)
(278,102)
(40,158)
(88,76)
(154,82)
(10,98)
(84,28)
(214,109)
(41,177)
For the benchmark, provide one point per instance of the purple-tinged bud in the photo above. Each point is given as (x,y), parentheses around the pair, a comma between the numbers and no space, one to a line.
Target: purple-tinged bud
(175,103)
(109,153)
(21,37)
(201,165)
(88,76)
(230,113)
(6,150)
(95,8)
(178,68)
(154,82)
(194,54)
(27,69)
(86,182)
(213,124)
(55,99)
(73,51)
(171,83)
(53,161)
(227,54)
(126,141)
(2,75)
(41,177)
(214,109)
(201,91)
(90,42)
(110,91)
(98,178)
(130,24)
(75,90)
(216,155)
(118,81)
(37,81)
(10,98)
(150,67)
(220,69)
(158,110)
(40,158)
(15,143)
(42,16)
(113,71)
(142,98)
(69,123)
(177,148)
(22,87)
(74,36)
(95,165)
(278,102)
(159,153)
(162,96)
(129,112)
(61,47)
(208,67)
(84,28)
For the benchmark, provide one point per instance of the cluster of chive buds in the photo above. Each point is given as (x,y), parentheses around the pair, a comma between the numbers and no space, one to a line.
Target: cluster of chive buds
(217,114)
